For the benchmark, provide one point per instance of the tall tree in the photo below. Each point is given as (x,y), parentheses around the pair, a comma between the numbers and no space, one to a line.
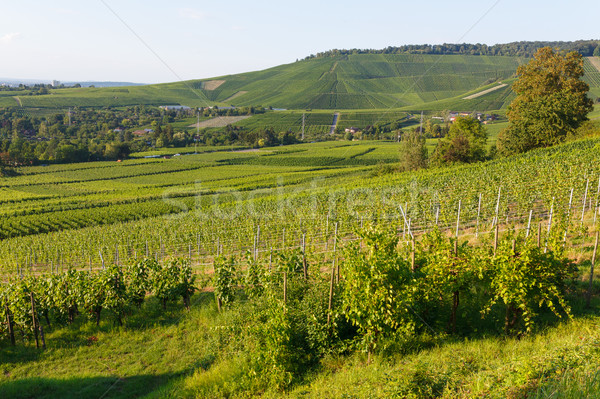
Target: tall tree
(465,142)
(413,154)
(551,102)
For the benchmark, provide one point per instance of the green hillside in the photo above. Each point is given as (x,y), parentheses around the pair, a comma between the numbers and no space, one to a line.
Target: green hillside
(362,81)
(346,82)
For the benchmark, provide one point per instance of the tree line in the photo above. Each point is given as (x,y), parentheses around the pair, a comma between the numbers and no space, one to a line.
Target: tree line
(586,48)
(91,134)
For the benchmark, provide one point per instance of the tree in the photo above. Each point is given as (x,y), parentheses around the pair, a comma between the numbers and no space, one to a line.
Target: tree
(465,142)
(551,102)
(116,150)
(413,154)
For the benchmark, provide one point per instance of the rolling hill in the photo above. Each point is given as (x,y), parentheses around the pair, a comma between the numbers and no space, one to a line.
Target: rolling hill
(344,82)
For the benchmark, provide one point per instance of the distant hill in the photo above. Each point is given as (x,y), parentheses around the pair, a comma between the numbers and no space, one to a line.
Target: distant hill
(13,81)
(103,84)
(343,81)
(362,81)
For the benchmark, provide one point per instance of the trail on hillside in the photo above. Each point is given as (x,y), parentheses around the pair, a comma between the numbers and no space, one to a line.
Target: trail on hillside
(236,95)
(220,121)
(482,93)
(336,116)
(18,100)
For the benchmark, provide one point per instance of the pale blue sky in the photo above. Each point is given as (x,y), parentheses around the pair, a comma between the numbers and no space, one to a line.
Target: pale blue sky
(84,40)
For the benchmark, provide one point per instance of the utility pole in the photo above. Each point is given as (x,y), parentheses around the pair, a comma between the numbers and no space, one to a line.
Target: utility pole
(69,116)
(197,134)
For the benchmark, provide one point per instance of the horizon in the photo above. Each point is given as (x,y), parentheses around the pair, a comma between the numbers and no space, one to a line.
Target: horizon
(152,42)
(17,80)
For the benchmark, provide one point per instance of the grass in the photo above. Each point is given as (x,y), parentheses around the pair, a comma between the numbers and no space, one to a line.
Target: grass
(560,362)
(176,353)
(152,349)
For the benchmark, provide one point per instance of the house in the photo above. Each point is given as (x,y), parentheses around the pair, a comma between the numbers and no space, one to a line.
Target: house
(139,133)
(175,107)
(352,130)
(222,108)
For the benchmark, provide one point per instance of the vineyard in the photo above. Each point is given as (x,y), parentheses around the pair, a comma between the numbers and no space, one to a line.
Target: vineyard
(360,81)
(290,255)
(305,189)
(316,123)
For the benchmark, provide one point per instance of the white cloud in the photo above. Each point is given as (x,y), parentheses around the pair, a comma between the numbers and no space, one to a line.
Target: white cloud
(190,13)
(9,37)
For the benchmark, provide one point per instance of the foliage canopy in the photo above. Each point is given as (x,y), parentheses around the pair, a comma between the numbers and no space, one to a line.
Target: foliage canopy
(551,102)
(464,143)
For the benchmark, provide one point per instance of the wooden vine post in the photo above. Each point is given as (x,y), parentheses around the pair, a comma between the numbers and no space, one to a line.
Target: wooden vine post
(284,287)
(412,256)
(331,283)
(304,264)
(337,274)
(497,207)
(589,293)
(568,216)
(587,186)
(34,320)
(478,215)
(11,331)
(549,226)
(458,218)
(495,240)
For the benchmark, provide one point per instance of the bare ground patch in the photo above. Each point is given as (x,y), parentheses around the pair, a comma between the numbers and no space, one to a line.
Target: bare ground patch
(236,95)
(220,121)
(595,61)
(212,84)
(483,93)
(248,150)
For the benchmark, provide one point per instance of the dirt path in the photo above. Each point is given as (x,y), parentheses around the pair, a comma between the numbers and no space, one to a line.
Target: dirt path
(336,117)
(483,93)
(220,121)
(18,100)
(236,95)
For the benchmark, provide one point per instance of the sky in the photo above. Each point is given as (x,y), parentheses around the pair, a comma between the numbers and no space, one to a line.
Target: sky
(164,41)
